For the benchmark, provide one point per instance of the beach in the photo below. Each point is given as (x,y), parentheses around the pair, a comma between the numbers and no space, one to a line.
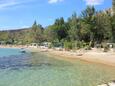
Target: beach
(94,55)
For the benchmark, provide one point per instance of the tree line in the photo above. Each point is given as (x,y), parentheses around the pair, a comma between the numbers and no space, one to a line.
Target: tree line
(89,28)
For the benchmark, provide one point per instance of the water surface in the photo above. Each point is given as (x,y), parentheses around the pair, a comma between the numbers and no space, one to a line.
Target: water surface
(5,52)
(38,69)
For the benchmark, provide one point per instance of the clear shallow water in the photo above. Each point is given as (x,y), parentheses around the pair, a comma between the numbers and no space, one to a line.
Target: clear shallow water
(4,52)
(37,69)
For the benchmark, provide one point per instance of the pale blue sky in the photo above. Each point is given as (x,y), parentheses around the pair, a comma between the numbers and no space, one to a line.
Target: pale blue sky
(22,13)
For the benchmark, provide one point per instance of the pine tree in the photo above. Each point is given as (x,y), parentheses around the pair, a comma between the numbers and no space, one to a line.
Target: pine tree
(113,21)
(113,7)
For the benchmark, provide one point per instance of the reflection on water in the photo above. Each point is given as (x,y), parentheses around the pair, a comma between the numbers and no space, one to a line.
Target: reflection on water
(37,69)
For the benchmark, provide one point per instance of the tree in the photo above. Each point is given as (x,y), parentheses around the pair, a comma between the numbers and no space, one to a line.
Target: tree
(113,7)
(36,33)
(50,33)
(113,21)
(103,27)
(74,28)
(88,18)
(60,28)
(4,36)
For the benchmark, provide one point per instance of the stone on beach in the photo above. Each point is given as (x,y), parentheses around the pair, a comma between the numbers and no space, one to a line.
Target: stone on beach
(108,84)
(103,85)
(111,84)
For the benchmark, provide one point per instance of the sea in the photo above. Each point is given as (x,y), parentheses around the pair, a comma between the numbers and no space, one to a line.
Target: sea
(6,52)
(40,69)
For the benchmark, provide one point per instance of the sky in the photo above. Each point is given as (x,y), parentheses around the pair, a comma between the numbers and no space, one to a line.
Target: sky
(15,14)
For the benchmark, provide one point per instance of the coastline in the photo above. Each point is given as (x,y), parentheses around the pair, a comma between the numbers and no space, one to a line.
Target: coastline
(13,46)
(91,56)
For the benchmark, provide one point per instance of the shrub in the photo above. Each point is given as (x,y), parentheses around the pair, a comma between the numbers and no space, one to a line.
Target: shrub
(88,47)
(74,45)
(68,45)
(106,47)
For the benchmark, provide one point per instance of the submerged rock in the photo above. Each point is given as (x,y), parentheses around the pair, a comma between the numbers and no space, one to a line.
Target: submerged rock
(23,51)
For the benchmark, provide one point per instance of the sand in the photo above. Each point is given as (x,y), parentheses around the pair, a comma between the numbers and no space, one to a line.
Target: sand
(96,56)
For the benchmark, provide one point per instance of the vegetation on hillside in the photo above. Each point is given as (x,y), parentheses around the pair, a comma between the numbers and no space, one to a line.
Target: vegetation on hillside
(90,28)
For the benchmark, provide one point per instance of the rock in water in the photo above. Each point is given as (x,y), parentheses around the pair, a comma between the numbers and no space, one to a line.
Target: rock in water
(23,51)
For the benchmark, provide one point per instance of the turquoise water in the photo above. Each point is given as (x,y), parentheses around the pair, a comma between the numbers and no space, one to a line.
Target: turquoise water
(38,69)
(7,52)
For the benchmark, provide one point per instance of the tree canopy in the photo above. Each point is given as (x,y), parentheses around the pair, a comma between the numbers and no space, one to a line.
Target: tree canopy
(91,26)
